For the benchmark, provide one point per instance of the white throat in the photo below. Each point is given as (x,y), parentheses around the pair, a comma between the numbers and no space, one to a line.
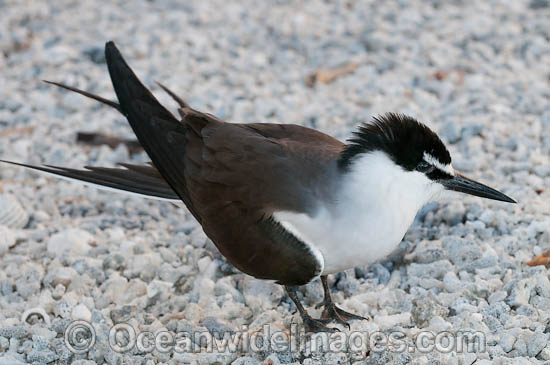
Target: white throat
(376,203)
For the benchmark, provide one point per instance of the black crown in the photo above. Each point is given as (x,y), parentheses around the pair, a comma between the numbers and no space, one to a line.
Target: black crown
(402,138)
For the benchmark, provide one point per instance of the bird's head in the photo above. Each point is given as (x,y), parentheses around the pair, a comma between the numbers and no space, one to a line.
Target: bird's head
(417,152)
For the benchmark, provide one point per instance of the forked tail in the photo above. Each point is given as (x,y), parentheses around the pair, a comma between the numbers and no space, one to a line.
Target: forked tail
(157,130)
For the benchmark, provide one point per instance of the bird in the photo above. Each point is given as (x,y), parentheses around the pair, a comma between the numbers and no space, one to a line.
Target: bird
(281,202)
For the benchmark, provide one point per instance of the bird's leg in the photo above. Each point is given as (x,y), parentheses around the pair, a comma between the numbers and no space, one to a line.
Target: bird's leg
(331,313)
(311,325)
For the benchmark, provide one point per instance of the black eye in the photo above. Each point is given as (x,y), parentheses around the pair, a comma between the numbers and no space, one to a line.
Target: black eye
(423,166)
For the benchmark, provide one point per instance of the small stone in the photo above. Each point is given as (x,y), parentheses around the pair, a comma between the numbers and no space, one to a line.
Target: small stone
(186,358)
(217,358)
(487,217)
(10,359)
(216,327)
(60,324)
(545,353)
(168,255)
(43,332)
(115,262)
(6,287)
(471,130)
(4,344)
(381,273)
(113,290)
(426,252)
(452,283)
(72,103)
(81,312)
(272,360)
(40,216)
(246,360)
(453,213)
(227,286)
(438,324)
(521,345)
(193,312)
(31,281)
(542,285)
(134,289)
(541,303)
(83,362)
(398,255)
(433,270)
(426,308)
(495,351)
(484,362)
(75,242)
(392,321)
(41,351)
(520,293)
(462,253)
(498,296)
(450,131)
(203,263)
(63,308)
(539,4)
(59,291)
(61,276)
(507,342)
(261,295)
(158,290)
(536,343)
(123,314)
(14,332)
(145,266)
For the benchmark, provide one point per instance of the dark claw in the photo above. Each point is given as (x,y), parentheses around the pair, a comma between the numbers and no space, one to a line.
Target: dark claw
(334,320)
(317,325)
(331,312)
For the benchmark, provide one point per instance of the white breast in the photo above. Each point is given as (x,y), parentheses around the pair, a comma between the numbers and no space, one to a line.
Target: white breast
(376,203)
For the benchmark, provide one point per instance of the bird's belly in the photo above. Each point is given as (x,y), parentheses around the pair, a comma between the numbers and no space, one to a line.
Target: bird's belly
(350,241)
(341,253)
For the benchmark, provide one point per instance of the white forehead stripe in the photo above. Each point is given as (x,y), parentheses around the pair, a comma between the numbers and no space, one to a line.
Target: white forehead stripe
(435,162)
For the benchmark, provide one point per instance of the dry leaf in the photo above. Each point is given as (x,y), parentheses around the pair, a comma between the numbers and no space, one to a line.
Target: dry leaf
(542,259)
(16,131)
(443,74)
(98,139)
(325,76)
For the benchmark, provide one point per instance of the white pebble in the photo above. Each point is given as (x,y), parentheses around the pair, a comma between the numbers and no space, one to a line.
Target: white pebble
(73,241)
(81,312)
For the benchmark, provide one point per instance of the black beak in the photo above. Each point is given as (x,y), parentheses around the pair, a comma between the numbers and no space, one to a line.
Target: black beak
(465,185)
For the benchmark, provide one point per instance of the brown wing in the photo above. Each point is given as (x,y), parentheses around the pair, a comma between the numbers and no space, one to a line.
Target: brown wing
(237,175)
(232,177)
(265,166)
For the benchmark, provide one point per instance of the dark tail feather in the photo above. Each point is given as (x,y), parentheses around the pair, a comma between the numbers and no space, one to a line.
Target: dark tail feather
(97,139)
(178,100)
(141,180)
(114,104)
(85,93)
(157,130)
